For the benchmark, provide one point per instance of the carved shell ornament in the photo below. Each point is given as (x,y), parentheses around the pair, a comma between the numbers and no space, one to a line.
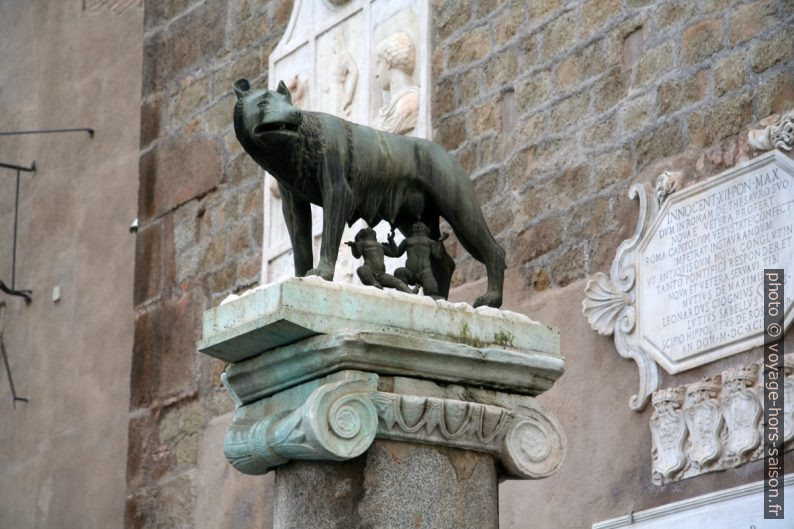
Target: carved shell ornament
(603,304)
(665,297)
(609,302)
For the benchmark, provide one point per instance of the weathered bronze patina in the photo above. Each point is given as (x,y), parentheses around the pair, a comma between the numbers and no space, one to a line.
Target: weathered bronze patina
(356,172)
(420,250)
(373,271)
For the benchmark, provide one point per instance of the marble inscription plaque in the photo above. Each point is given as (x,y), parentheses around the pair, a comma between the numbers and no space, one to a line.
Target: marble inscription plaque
(687,288)
(700,265)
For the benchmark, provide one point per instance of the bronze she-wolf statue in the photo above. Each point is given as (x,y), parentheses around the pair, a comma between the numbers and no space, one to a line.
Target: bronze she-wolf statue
(355,172)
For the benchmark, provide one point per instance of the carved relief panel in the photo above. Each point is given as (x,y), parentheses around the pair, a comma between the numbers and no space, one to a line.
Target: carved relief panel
(704,421)
(367,61)
(721,425)
(668,431)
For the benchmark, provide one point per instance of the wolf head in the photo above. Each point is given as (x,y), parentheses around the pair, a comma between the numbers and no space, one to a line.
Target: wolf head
(265,118)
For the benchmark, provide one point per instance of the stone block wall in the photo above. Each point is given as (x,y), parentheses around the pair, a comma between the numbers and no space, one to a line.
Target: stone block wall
(200,216)
(554,107)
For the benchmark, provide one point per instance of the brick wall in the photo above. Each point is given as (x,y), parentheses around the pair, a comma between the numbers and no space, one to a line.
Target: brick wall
(554,107)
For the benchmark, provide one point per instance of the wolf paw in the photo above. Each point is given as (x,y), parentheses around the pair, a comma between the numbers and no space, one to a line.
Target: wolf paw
(326,272)
(491,299)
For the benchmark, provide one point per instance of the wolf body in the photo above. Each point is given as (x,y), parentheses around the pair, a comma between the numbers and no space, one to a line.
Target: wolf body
(356,172)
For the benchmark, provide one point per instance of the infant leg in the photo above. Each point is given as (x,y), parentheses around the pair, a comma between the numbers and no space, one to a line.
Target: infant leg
(405,275)
(367,277)
(392,282)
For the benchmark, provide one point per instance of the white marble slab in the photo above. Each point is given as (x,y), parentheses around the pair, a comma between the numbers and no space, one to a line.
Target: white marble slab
(687,288)
(700,265)
(737,507)
(298,308)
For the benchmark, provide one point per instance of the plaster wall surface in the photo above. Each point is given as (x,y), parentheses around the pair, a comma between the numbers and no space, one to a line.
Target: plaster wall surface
(607,470)
(63,454)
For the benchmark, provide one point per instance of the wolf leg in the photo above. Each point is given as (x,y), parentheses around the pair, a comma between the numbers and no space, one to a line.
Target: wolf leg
(298,217)
(336,203)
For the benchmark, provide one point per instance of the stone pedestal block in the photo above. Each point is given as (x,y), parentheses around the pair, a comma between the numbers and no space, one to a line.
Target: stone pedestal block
(383,409)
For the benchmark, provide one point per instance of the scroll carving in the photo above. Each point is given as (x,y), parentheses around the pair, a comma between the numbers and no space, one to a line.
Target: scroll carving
(778,135)
(609,302)
(691,258)
(340,421)
(337,422)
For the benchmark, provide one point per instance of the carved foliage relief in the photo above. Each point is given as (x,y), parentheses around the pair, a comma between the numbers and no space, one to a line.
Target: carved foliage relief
(777,134)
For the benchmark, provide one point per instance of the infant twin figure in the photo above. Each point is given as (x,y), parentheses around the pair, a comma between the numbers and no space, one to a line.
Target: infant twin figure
(417,271)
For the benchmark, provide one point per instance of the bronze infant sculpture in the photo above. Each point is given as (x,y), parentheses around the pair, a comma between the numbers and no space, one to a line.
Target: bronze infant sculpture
(373,271)
(421,250)
(356,172)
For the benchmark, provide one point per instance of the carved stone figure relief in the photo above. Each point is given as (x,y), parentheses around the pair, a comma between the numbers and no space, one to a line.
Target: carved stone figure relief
(327,59)
(342,79)
(723,416)
(394,68)
(298,87)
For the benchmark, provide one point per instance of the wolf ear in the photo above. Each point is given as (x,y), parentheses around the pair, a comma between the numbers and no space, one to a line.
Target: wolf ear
(241,87)
(283,90)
